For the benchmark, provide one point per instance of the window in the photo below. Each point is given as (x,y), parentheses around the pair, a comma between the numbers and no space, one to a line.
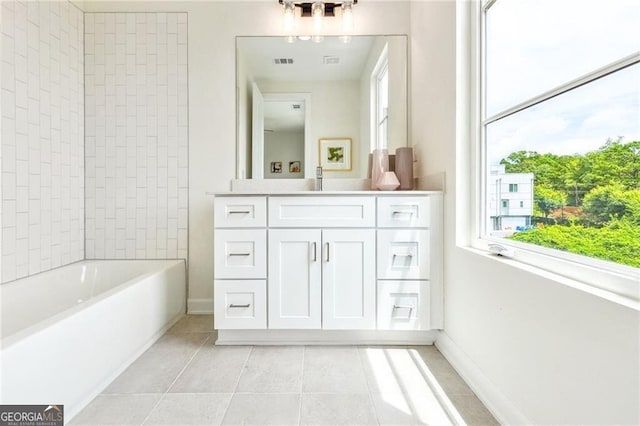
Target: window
(380,101)
(559,115)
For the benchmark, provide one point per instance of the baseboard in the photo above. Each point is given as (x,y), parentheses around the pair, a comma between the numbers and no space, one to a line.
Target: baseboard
(200,306)
(496,402)
(325,337)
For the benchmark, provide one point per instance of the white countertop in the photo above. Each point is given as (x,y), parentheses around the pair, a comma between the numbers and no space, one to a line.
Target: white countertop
(322,193)
(433,184)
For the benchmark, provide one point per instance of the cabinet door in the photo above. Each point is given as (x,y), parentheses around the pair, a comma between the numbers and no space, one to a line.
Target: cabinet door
(348,279)
(294,291)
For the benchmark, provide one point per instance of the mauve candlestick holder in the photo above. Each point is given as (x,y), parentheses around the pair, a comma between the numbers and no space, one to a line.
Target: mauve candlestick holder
(404,167)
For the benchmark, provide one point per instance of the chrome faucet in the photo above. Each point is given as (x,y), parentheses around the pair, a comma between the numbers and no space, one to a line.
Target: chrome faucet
(318,178)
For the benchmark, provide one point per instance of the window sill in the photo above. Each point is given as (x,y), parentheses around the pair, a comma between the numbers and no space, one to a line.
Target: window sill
(614,287)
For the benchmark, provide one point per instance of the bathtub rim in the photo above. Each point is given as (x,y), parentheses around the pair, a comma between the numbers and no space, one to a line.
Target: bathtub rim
(8,341)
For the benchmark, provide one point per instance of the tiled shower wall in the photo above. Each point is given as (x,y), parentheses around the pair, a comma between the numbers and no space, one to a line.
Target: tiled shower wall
(136,135)
(42,136)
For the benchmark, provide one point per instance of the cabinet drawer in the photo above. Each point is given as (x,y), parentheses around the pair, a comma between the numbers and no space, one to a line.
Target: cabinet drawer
(240,304)
(403,305)
(403,212)
(245,212)
(403,254)
(240,253)
(311,212)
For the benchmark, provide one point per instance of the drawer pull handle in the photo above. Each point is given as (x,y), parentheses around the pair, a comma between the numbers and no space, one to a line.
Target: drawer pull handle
(315,251)
(239,306)
(327,245)
(239,254)
(410,308)
(402,255)
(240,212)
(409,212)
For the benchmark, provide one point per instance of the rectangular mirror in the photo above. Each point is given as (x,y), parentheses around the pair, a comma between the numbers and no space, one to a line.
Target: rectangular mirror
(301,101)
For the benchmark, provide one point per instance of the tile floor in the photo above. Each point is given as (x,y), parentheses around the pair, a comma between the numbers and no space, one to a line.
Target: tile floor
(183,379)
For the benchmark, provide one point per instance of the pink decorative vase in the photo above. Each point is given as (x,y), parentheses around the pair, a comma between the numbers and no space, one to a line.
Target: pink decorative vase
(389,182)
(379,165)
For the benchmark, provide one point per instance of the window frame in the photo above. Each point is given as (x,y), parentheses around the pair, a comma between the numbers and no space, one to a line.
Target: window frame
(601,277)
(377,118)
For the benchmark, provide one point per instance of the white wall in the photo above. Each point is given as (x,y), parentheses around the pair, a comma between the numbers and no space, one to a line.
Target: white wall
(328,118)
(42,137)
(137,135)
(284,147)
(213,27)
(546,353)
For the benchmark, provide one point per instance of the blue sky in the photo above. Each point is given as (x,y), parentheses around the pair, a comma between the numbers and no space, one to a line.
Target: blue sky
(572,38)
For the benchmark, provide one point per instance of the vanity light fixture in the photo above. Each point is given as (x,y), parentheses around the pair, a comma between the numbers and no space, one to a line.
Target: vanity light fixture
(317,10)
(289,16)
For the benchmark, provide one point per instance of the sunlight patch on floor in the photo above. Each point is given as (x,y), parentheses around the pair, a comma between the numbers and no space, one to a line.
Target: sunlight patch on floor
(407,385)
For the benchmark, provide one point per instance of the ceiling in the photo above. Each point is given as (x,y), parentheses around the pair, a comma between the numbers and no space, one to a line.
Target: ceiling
(309,58)
(281,116)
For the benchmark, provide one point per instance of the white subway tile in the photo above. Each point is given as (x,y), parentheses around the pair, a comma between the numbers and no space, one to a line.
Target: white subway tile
(34,261)
(34,237)
(8,240)
(8,267)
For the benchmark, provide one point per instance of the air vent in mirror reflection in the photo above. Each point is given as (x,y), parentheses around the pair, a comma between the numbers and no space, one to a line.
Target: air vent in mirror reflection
(282,61)
(331,60)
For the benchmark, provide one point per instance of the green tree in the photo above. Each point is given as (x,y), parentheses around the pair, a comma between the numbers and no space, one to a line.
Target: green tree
(615,161)
(605,203)
(617,241)
(632,205)
(576,175)
(548,199)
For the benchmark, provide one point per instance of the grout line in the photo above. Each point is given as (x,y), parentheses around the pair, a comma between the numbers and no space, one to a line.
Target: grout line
(366,380)
(177,376)
(304,350)
(233,393)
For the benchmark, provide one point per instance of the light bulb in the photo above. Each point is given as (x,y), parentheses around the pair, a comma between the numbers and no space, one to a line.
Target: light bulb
(317,12)
(347,16)
(289,16)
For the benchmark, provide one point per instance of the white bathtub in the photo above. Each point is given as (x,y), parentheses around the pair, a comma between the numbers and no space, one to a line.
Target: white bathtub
(69,332)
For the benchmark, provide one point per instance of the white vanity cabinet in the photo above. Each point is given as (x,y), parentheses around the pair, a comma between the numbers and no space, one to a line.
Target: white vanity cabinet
(368,262)
(240,262)
(322,279)
(409,263)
